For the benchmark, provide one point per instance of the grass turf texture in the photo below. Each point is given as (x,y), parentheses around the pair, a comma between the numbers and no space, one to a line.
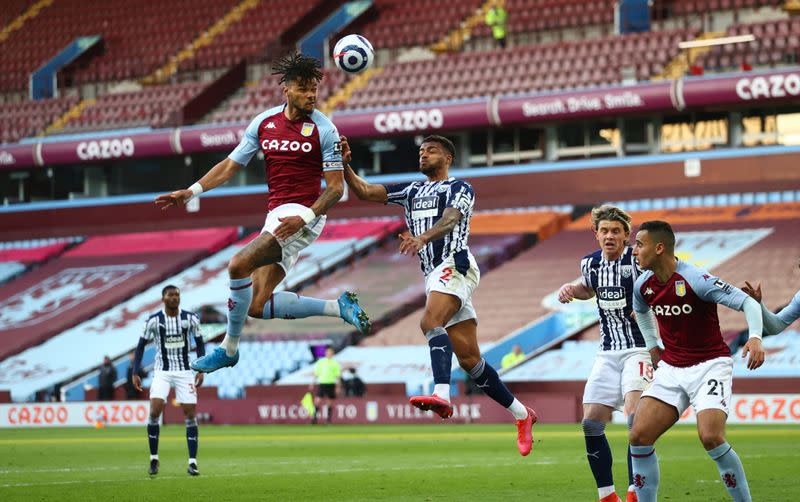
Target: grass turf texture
(432,462)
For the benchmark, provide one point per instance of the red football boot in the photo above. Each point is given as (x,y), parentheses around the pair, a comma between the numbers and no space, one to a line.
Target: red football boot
(525,432)
(435,403)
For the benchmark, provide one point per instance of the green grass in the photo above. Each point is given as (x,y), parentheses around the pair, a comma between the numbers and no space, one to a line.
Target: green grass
(444,462)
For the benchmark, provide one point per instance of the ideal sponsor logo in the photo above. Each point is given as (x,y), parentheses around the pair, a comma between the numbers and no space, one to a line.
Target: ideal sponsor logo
(60,292)
(672,310)
(611,297)
(774,86)
(105,149)
(409,120)
(425,207)
(285,145)
(6,159)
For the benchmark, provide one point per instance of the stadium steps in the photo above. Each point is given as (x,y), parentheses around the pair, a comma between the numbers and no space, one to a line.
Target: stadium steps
(342,95)
(160,75)
(23,18)
(455,39)
(69,115)
(684,60)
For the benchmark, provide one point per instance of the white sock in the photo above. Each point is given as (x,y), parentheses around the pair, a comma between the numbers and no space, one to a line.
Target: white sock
(442,390)
(605,491)
(518,409)
(192,460)
(230,344)
(153,457)
(631,488)
(332,309)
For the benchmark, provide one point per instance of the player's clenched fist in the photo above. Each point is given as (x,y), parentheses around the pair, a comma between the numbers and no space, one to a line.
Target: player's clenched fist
(567,293)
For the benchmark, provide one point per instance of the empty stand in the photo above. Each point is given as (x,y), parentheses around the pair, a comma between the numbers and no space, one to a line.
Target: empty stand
(17,256)
(268,92)
(525,16)
(776,42)
(139,36)
(523,69)
(409,23)
(91,277)
(155,106)
(260,28)
(28,118)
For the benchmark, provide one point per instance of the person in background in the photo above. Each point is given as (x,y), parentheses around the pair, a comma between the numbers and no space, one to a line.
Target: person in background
(107,377)
(326,373)
(352,384)
(497,20)
(513,358)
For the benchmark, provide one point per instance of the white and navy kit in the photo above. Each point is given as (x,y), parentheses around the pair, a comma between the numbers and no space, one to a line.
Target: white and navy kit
(448,265)
(612,283)
(623,363)
(172,336)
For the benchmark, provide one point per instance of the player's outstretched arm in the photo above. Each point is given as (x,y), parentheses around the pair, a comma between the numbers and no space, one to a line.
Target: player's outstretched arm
(217,176)
(358,185)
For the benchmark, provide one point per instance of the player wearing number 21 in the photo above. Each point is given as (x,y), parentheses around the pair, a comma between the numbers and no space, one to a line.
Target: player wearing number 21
(695,366)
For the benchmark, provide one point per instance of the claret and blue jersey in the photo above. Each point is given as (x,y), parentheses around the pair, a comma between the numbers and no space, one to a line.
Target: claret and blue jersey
(424,203)
(296,153)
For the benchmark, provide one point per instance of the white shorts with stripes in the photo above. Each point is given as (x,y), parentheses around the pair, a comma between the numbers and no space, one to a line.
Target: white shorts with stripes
(615,373)
(446,279)
(183,381)
(300,240)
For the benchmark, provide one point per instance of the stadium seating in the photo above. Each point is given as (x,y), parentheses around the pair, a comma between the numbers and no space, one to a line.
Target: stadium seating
(410,23)
(260,363)
(776,42)
(694,7)
(17,256)
(530,16)
(256,31)
(154,106)
(267,93)
(28,118)
(11,10)
(528,68)
(139,36)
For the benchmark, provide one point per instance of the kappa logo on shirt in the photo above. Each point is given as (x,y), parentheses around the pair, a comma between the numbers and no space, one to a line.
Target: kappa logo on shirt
(649,291)
(271,125)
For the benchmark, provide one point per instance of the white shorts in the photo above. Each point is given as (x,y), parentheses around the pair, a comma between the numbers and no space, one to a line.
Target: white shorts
(183,381)
(705,386)
(446,279)
(300,240)
(615,373)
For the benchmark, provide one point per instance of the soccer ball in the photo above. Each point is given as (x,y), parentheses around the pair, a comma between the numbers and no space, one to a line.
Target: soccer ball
(353,54)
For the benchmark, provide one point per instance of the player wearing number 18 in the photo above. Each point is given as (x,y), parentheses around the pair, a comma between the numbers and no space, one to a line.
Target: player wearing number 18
(695,366)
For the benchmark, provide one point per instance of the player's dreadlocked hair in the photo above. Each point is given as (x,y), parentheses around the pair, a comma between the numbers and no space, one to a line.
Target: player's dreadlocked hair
(295,66)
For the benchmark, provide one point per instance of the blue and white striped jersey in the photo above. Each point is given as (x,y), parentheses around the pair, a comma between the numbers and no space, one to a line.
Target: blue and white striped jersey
(612,282)
(172,337)
(425,202)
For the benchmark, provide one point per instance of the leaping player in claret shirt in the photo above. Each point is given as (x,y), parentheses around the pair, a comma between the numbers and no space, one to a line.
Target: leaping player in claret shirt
(300,147)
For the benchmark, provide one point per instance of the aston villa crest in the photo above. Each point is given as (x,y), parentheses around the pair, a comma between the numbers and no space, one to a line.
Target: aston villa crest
(308,128)
(680,288)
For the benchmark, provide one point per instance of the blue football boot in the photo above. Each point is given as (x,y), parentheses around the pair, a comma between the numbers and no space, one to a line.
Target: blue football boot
(217,359)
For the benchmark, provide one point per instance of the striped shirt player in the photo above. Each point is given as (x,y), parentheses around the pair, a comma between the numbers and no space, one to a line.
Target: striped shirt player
(438,213)
(172,330)
(424,202)
(622,368)
(447,263)
(172,336)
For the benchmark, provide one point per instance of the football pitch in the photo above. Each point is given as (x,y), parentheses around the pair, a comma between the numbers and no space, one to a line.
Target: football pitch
(446,462)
